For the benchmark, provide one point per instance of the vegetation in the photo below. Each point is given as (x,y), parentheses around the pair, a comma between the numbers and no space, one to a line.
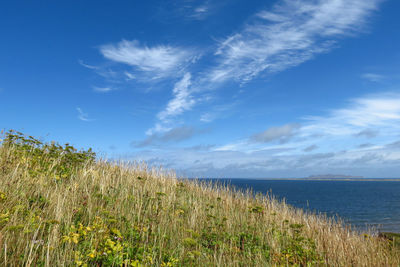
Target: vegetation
(394,237)
(61,207)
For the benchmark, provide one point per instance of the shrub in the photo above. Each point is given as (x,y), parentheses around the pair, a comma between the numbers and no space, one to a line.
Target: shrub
(45,159)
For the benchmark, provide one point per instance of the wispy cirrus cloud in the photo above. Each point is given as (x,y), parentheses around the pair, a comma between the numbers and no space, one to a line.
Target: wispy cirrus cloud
(82,115)
(288,35)
(92,67)
(158,61)
(373,77)
(207,117)
(103,89)
(193,9)
(364,116)
(200,12)
(182,100)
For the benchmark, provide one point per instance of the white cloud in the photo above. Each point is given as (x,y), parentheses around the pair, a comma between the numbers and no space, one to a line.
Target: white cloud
(129,76)
(373,77)
(289,34)
(207,117)
(158,127)
(87,65)
(182,100)
(159,61)
(82,115)
(200,12)
(201,9)
(241,145)
(102,89)
(375,112)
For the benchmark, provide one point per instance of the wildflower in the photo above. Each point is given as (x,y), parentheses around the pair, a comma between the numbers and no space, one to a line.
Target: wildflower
(2,196)
(92,255)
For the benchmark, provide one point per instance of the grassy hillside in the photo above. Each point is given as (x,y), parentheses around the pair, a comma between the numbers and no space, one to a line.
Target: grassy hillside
(61,207)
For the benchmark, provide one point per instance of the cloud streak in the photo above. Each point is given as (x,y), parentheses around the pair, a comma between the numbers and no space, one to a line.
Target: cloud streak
(102,89)
(87,65)
(159,61)
(373,77)
(182,100)
(362,114)
(288,35)
(82,115)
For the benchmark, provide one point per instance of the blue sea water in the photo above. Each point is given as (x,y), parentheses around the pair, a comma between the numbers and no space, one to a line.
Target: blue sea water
(363,204)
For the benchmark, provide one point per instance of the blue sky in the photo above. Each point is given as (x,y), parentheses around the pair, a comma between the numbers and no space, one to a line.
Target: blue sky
(211,88)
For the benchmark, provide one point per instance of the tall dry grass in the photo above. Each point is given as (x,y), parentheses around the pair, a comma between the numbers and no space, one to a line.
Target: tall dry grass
(109,214)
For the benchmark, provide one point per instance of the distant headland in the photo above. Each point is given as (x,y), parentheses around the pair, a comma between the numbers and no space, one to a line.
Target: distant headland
(333,176)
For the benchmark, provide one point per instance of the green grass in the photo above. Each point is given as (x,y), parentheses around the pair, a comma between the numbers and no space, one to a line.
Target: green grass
(61,207)
(392,237)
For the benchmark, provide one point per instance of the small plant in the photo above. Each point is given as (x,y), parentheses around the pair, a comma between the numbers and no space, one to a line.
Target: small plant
(296,248)
(189,242)
(98,244)
(256,209)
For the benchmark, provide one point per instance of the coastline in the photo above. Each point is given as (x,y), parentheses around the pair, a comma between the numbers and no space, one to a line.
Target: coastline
(308,179)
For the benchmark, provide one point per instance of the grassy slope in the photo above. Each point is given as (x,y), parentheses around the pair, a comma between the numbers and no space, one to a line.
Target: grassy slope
(113,214)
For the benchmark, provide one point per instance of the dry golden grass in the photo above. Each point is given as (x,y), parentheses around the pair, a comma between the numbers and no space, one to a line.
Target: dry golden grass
(110,214)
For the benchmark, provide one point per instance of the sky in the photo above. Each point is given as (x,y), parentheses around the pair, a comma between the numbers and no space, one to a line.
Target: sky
(211,88)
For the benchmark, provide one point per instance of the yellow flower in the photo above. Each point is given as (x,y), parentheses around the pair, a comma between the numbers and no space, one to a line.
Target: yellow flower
(66,238)
(74,238)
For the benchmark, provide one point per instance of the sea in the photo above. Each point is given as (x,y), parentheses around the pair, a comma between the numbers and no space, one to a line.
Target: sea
(367,204)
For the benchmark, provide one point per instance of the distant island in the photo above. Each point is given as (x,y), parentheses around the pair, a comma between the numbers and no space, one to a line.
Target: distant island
(333,176)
